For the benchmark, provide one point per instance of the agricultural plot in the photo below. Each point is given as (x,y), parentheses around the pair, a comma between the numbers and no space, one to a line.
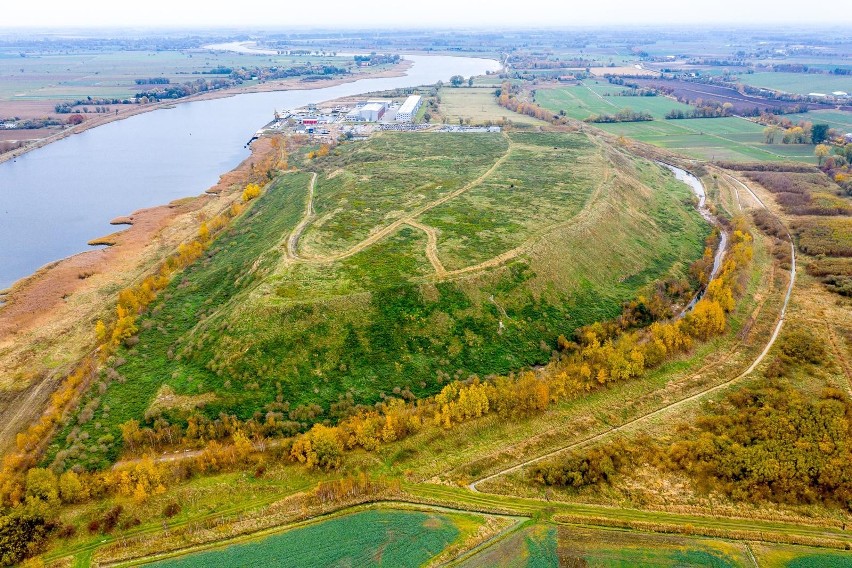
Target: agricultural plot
(599,97)
(55,76)
(582,546)
(837,119)
(798,83)
(780,556)
(728,138)
(459,274)
(532,547)
(369,538)
(478,104)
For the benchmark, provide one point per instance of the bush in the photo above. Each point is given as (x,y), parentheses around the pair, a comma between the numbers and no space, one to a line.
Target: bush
(171,510)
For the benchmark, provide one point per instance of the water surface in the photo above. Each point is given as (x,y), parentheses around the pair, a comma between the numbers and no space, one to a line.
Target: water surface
(55,199)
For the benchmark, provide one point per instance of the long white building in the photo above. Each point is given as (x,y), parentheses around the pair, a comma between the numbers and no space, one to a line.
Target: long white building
(409,108)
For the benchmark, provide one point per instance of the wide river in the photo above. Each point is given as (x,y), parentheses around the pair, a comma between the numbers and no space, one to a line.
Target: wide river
(55,199)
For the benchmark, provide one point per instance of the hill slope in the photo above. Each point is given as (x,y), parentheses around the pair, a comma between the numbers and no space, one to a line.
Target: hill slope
(418,257)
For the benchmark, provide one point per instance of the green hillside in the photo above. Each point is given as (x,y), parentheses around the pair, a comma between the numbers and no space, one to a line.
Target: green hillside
(427,256)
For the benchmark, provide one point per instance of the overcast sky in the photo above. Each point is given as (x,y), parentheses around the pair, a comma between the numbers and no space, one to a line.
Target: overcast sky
(435,13)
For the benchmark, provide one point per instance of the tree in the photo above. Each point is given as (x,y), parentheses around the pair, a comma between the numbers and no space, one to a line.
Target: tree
(456,80)
(770,133)
(819,133)
(70,487)
(821,152)
(42,485)
(470,81)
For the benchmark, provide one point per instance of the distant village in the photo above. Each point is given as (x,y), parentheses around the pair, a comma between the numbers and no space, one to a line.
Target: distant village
(359,120)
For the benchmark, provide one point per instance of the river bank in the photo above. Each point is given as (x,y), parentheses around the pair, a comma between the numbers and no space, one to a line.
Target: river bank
(47,323)
(294,84)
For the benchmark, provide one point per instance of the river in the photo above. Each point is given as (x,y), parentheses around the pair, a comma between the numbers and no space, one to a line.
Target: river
(55,199)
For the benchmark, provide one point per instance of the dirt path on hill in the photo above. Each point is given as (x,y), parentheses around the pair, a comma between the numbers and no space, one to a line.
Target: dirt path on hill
(677,404)
(393,227)
(293,241)
(431,247)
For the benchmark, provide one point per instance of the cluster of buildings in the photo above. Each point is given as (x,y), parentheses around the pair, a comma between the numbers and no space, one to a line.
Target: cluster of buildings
(380,111)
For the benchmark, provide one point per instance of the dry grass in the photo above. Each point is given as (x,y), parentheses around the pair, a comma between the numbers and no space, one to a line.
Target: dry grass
(478,105)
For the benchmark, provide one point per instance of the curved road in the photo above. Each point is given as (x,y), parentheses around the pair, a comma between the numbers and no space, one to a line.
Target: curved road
(683,401)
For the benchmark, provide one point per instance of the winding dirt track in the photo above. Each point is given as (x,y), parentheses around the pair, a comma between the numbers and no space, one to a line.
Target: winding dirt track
(431,247)
(682,402)
(406,220)
(293,241)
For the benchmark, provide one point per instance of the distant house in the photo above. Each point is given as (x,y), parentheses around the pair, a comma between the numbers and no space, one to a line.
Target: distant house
(848,138)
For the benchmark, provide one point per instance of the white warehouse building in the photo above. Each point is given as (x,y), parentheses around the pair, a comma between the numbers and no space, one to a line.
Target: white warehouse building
(370,112)
(409,108)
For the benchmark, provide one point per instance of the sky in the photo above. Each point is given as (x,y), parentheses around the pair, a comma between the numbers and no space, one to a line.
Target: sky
(272,14)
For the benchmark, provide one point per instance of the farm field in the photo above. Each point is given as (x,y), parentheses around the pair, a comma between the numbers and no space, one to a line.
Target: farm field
(478,104)
(599,548)
(531,547)
(368,307)
(599,97)
(727,138)
(57,76)
(370,538)
(838,119)
(798,83)
(779,556)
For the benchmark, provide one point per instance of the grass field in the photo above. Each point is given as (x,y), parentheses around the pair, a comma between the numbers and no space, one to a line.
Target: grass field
(798,83)
(109,74)
(369,538)
(247,325)
(779,556)
(599,97)
(614,548)
(478,104)
(530,547)
(728,138)
(837,119)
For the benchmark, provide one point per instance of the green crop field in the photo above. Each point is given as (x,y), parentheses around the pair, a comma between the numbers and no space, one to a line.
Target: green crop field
(532,547)
(837,119)
(798,83)
(56,76)
(582,546)
(785,556)
(428,256)
(599,97)
(727,138)
(369,538)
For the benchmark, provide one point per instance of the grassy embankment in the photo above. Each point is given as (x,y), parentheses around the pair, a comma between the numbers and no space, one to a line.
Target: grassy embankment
(247,325)
(436,452)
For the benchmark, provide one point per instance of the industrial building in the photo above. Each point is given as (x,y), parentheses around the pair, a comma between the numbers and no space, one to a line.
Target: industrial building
(409,108)
(370,112)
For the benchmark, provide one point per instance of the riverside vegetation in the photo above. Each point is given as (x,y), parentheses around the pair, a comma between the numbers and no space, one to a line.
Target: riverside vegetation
(240,276)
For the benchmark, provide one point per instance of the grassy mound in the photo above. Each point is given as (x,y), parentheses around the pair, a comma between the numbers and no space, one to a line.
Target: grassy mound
(427,257)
